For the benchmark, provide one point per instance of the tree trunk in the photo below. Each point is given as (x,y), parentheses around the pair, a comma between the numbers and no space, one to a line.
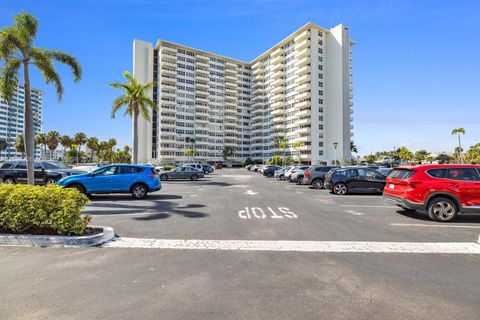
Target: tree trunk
(28,130)
(460,149)
(135,138)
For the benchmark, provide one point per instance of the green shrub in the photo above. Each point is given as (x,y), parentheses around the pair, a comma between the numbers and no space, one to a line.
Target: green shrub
(168,167)
(38,209)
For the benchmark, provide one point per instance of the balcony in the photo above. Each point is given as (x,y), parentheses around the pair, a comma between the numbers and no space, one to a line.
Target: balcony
(201,72)
(230,78)
(302,36)
(277,89)
(232,85)
(202,57)
(277,75)
(202,86)
(301,130)
(168,49)
(257,71)
(304,138)
(277,112)
(257,98)
(201,64)
(302,53)
(168,94)
(303,70)
(277,59)
(305,61)
(200,106)
(257,111)
(302,45)
(167,72)
(276,67)
(201,120)
(201,93)
(257,92)
(277,97)
(168,64)
(303,113)
(258,77)
(303,87)
(231,72)
(303,121)
(230,91)
(258,84)
(230,65)
(168,57)
(304,95)
(257,64)
(303,105)
(201,78)
(303,79)
(276,52)
(201,100)
(278,104)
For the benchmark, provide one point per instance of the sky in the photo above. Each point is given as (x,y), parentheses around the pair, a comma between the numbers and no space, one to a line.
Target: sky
(415,63)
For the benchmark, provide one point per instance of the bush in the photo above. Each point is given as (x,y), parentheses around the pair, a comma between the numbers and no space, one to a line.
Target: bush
(168,167)
(42,210)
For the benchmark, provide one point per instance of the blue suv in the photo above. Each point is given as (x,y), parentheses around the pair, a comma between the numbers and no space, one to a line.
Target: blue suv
(138,180)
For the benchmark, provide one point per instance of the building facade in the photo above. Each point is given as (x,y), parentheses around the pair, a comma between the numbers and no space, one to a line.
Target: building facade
(300,89)
(11,120)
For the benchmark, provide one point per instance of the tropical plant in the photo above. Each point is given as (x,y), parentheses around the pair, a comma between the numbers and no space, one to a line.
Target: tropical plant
(296,146)
(53,139)
(80,139)
(92,144)
(404,154)
(473,154)
(41,140)
(3,146)
(137,101)
(275,160)
(353,147)
(458,132)
(444,158)
(227,152)
(16,51)
(420,155)
(66,143)
(121,156)
(191,153)
(281,143)
(370,158)
(19,144)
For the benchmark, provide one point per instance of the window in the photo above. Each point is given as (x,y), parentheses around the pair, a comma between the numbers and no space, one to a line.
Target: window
(366,173)
(130,170)
(464,174)
(106,171)
(437,173)
(403,174)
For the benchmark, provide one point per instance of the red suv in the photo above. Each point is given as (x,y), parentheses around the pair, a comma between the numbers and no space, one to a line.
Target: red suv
(442,191)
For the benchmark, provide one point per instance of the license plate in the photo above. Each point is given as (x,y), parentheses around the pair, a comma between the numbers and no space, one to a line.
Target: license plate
(391,186)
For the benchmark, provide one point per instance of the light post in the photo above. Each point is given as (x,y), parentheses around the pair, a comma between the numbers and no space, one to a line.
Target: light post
(335,144)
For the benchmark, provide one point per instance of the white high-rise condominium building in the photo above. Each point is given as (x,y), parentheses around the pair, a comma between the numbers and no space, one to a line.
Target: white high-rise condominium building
(11,120)
(300,89)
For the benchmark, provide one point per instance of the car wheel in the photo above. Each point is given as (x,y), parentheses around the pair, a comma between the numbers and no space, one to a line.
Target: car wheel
(51,181)
(299,180)
(77,187)
(9,180)
(139,191)
(340,188)
(164,177)
(194,177)
(442,209)
(317,184)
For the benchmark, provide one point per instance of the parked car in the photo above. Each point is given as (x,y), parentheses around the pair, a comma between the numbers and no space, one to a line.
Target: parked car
(385,171)
(289,172)
(343,180)
(217,165)
(197,166)
(443,191)
(44,172)
(256,167)
(248,166)
(297,175)
(138,180)
(206,168)
(269,171)
(183,172)
(315,176)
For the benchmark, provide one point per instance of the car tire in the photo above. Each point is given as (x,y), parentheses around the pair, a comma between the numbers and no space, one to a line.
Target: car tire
(318,184)
(299,180)
(50,181)
(164,177)
(340,189)
(9,180)
(139,191)
(442,209)
(77,187)
(194,177)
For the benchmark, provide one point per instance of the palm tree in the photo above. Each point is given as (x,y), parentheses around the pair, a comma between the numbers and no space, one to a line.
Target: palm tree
(53,138)
(80,139)
(296,146)
(17,50)
(228,152)
(92,144)
(191,153)
(459,131)
(137,101)
(66,142)
(281,142)
(41,140)
(3,146)
(19,145)
(353,147)
(190,143)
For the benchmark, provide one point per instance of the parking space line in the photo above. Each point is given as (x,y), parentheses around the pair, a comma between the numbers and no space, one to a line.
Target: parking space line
(364,206)
(433,225)
(300,246)
(119,214)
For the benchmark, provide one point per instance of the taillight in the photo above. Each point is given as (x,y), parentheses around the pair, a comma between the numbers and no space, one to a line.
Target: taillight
(307,173)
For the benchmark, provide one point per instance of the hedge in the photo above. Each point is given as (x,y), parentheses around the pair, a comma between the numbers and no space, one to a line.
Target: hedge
(42,210)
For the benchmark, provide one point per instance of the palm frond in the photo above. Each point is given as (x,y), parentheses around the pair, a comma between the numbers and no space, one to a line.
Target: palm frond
(69,60)
(27,26)
(43,62)
(144,111)
(9,78)
(10,42)
(118,85)
(118,103)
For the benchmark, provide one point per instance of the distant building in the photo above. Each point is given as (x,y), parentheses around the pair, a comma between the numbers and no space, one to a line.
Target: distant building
(11,120)
(301,89)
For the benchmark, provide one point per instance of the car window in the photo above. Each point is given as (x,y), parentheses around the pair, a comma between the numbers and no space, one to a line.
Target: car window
(366,173)
(437,173)
(465,174)
(340,173)
(7,165)
(21,165)
(402,174)
(49,166)
(352,173)
(108,171)
(130,170)
(326,169)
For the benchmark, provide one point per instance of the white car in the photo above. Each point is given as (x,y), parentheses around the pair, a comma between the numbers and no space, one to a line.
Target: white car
(197,166)
(288,173)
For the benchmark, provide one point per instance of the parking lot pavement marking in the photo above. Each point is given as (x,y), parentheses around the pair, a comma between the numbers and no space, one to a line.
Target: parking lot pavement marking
(433,225)
(353,212)
(300,246)
(120,214)
(299,191)
(250,193)
(363,206)
(193,195)
(259,213)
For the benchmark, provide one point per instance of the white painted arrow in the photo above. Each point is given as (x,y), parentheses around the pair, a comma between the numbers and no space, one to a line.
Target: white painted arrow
(251,193)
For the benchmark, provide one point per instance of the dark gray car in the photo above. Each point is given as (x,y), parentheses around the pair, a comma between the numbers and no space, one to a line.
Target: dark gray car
(315,175)
(185,173)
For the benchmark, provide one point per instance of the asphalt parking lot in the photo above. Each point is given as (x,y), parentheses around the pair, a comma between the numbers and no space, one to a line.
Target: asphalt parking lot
(126,280)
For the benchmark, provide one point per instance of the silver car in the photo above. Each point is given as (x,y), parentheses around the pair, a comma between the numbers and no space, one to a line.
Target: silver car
(184,172)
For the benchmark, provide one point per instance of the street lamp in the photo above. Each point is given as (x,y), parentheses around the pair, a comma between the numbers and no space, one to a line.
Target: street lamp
(335,144)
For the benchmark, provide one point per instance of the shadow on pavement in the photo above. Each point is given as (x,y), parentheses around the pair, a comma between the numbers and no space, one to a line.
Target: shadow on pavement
(462,218)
